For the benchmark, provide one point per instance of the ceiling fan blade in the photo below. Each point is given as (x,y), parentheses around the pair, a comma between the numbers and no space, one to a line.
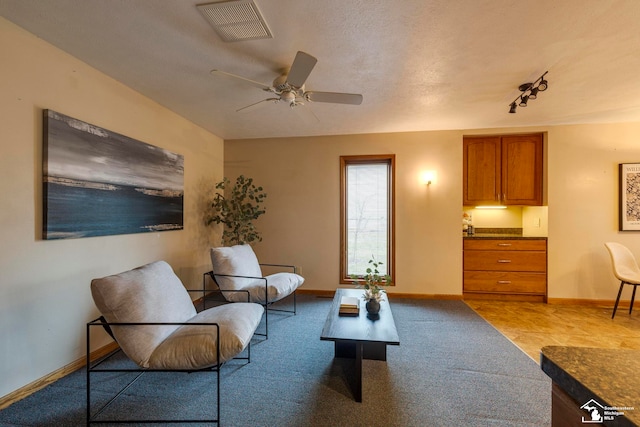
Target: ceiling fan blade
(239,78)
(305,113)
(300,69)
(334,97)
(257,105)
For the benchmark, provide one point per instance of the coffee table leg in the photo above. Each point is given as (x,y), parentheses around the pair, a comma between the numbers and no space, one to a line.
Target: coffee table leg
(353,350)
(358,360)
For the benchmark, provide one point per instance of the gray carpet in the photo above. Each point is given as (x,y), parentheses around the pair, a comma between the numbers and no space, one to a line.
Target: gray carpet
(451,369)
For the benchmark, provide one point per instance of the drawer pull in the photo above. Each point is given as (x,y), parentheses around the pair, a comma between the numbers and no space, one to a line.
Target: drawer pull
(504,282)
(504,261)
(504,244)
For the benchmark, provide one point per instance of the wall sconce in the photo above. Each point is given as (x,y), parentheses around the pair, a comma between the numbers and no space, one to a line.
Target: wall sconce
(428,177)
(529,91)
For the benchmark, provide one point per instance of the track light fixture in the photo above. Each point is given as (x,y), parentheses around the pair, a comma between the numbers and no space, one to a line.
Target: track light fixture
(529,91)
(542,86)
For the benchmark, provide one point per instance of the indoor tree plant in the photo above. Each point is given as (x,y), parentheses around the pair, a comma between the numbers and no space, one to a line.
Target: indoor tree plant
(236,208)
(372,282)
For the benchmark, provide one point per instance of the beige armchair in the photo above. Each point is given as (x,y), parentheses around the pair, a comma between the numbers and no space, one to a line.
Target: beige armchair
(151,316)
(237,268)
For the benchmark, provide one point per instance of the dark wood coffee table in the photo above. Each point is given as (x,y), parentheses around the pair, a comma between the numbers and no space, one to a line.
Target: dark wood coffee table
(360,337)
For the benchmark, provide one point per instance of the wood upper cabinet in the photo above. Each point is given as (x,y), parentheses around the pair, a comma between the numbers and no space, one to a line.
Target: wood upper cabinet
(503,170)
(481,170)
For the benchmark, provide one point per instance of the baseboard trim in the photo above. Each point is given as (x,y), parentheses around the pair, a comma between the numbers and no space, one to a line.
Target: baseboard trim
(54,376)
(329,294)
(318,293)
(589,302)
(558,301)
(425,296)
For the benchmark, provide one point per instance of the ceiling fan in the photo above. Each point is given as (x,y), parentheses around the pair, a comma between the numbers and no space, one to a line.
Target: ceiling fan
(289,88)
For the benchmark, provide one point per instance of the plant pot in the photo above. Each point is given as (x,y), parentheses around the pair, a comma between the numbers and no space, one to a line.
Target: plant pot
(373,306)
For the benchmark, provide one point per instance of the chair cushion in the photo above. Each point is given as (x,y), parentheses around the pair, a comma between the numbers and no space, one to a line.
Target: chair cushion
(151,293)
(194,347)
(238,260)
(279,286)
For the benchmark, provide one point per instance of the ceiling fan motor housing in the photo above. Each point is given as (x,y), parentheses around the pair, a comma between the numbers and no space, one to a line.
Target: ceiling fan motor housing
(280,83)
(286,91)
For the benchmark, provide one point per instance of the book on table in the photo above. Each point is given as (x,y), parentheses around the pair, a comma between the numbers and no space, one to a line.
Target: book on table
(349,306)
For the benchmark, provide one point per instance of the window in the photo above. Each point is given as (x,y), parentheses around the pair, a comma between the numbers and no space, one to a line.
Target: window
(366,214)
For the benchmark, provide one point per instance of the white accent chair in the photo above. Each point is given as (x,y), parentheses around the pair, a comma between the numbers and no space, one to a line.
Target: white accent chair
(237,268)
(153,319)
(625,268)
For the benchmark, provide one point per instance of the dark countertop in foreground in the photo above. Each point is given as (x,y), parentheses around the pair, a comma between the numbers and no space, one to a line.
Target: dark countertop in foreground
(609,376)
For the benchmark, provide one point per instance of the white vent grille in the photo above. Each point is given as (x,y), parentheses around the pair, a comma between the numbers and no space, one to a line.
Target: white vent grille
(236,20)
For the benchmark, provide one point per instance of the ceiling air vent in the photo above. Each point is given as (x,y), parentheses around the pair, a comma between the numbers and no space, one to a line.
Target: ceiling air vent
(236,20)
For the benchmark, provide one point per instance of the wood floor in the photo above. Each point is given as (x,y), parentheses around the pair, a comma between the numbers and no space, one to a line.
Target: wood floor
(531,326)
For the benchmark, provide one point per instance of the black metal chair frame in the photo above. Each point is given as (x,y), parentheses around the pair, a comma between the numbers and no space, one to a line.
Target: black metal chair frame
(266,304)
(633,296)
(95,366)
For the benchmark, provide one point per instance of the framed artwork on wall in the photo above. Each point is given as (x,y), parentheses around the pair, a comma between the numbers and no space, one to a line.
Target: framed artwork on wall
(98,183)
(629,175)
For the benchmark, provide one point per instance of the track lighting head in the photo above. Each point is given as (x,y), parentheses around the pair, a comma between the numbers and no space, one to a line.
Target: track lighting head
(529,91)
(543,85)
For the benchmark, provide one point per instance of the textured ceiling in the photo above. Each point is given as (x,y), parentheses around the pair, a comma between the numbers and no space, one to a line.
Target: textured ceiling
(420,64)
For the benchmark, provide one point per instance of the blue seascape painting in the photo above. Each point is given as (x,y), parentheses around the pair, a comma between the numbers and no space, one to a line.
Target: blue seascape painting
(98,183)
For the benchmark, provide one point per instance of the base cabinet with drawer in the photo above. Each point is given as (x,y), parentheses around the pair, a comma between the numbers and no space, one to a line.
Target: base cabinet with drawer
(512,269)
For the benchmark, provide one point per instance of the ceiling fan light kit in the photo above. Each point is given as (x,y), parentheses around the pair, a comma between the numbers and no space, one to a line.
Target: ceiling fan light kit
(529,92)
(290,87)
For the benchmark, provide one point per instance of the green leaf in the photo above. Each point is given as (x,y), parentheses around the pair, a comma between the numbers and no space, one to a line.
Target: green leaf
(242,205)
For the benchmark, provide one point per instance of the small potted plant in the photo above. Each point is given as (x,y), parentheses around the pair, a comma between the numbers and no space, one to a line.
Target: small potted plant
(372,282)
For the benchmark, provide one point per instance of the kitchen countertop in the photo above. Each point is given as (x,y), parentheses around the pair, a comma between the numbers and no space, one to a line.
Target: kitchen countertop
(499,233)
(609,376)
(501,236)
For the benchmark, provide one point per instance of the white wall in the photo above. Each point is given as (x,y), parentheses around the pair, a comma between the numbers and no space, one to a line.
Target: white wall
(583,207)
(45,300)
(301,177)
(535,221)
(511,217)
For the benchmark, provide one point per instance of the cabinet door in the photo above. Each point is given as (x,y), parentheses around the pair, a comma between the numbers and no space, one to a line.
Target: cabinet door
(522,170)
(481,170)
